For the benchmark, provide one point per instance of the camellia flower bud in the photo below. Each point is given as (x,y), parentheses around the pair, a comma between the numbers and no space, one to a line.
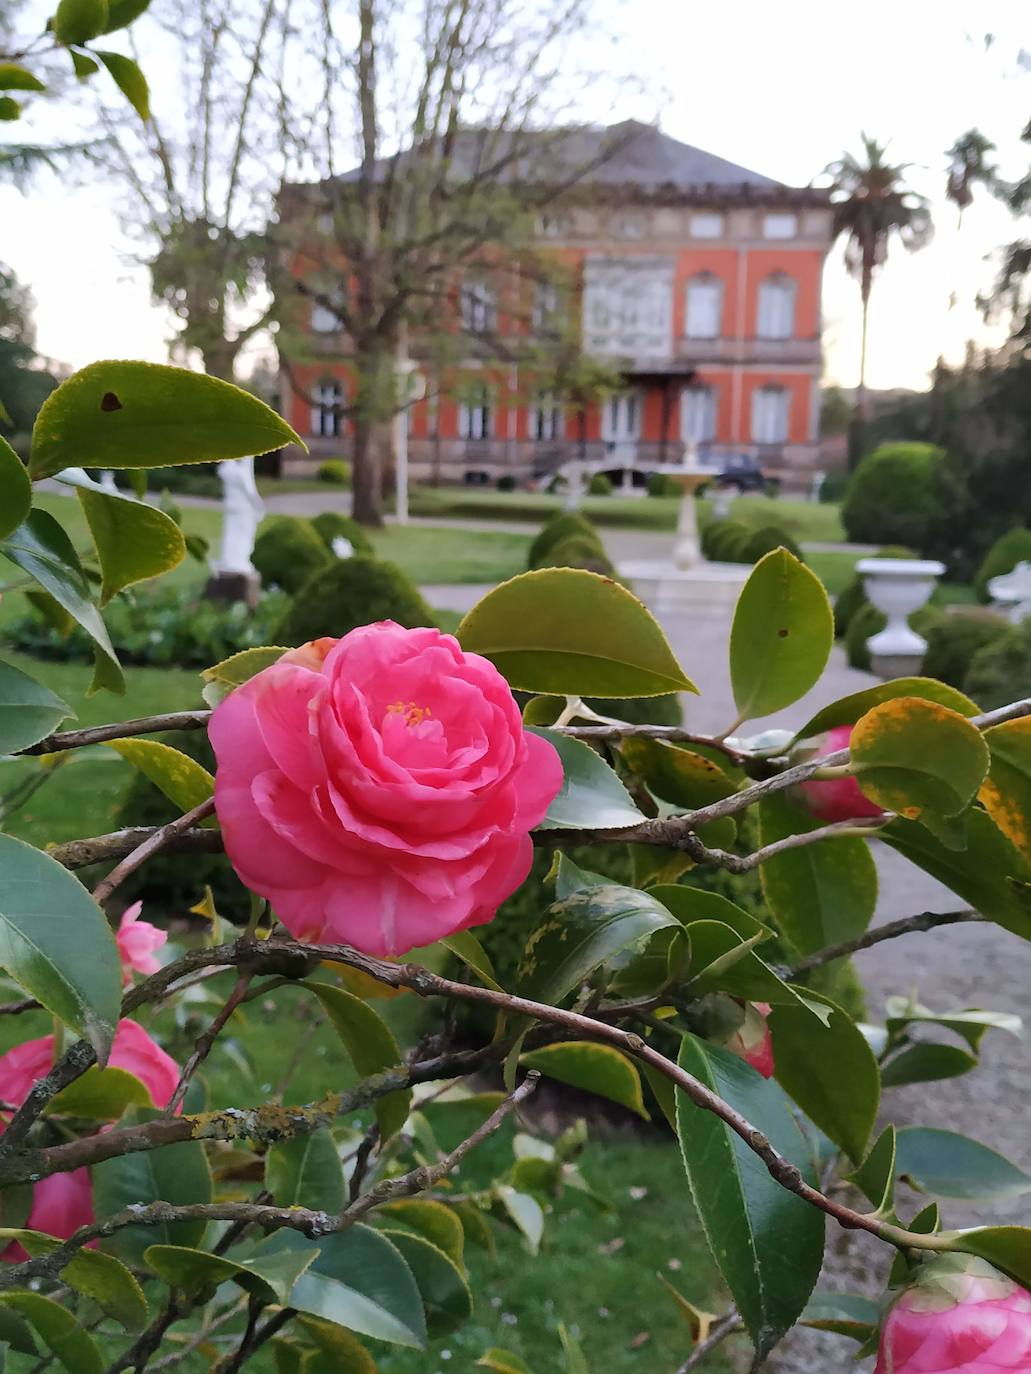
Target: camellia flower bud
(137,941)
(960,1316)
(836,799)
(753,1041)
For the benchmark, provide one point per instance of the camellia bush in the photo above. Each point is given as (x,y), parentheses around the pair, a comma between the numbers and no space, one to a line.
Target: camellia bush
(380,793)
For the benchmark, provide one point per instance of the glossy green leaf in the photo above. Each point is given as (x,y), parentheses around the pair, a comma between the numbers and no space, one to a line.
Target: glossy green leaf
(101,1095)
(569,877)
(1006,792)
(16,78)
(849,709)
(269,1276)
(927,1222)
(502,1362)
(9,109)
(55,942)
(177,1174)
(357,1279)
(947,1164)
(371,1045)
(722,962)
(846,1314)
(526,1212)
(689,904)
(591,796)
(830,1072)
(1007,1247)
(61,1332)
(767,1242)
(28,710)
(581,932)
(595,1068)
(986,874)
(465,946)
(221,678)
(475,1226)
(781,637)
(83,65)
(122,12)
(340,1351)
(184,781)
(819,894)
(875,1177)
(911,755)
(41,548)
(95,1275)
(77,21)
(49,611)
(926,1062)
(16,1334)
(972,1023)
(685,779)
(568,632)
(15,486)
(432,1220)
(573,1357)
(306,1172)
(144,415)
(445,1293)
(134,541)
(129,80)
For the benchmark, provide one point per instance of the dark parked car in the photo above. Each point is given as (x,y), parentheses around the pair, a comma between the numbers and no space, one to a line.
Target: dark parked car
(740,470)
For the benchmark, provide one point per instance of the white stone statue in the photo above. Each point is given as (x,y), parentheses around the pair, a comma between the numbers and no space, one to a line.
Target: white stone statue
(107,481)
(1011,592)
(342,546)
(242,509)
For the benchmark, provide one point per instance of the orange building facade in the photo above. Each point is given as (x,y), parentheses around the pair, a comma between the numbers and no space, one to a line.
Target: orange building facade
(696,281)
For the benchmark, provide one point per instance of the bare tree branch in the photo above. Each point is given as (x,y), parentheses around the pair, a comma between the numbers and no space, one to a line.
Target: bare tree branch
(908,925)
(155,841)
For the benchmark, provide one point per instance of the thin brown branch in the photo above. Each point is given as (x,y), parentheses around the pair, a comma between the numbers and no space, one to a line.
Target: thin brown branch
(907,925)
(120,729)
(206,1040)
(154,842)
(721,1328)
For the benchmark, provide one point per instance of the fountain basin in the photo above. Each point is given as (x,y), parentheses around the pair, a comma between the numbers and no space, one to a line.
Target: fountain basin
(668,589)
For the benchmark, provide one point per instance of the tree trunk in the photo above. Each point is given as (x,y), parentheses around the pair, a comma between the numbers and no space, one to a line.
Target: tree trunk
(366,481)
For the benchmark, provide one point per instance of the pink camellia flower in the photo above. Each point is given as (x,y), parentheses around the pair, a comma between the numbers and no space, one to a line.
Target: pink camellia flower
(837,799)
(380,789)
(137,941)
(753,1041)
(62,1203)
(961,1316)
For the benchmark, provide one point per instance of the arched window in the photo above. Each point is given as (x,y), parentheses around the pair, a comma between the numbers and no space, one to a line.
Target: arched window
(704,307)
(698,414)
(776,307)
(326,420)
(770,405)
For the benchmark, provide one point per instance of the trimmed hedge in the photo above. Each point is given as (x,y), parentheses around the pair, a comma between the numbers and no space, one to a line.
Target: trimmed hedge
(577,552)
(352,592)
(722,538)
(335,471)
(955,640)
(893,496)
(599,485)
(1001,671)
(765,540)
(567,525)
(330,524)
(288,552)
(1009,549)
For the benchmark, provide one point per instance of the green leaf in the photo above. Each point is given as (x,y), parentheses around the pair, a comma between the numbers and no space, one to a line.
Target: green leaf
(122,12)
(270,1277)
(909,755)
(1006,792)
(432,1220)
(97,1276)
(782,635)
(581,932)
(145,415)
(722,962)
(819,894)
(846,1314)
(591,796)
(767,1242)
(9,109)
(972,1023)
(445,1294)
(28,710)
(306,1172)
(526,1212)
(926,1062)
(15,78)
(59,1330)
(568,632)
(101,1094)
(596,1068)
(77,21)
(696,904)
(370,1042)
(849,709)
(685,779)
(465,946)
(177,1174)
(573,1357)
(55,943)
(16,1334)
(502,1362)
(950,1165)
(875,1177)
(41,548)
(134,541)
(342,1352)
(357,1279)
(83,65)
(831,1073)
(184,781)
(129,80)
(569,877)
(987,874)
(15,486)
(1007,1247)
(222,678)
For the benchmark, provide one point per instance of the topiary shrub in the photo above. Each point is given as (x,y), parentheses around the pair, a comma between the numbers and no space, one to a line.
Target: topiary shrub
(335,472)
(577,552)
(567,525)
(599,485)
(352,592)
(954,640)
(869,621)
(722,535)
(288,552)
(765,540)
(662,484)
(1001,671)
(506,482)
(833,488)
(330,525)
(893,496)
(1008,550)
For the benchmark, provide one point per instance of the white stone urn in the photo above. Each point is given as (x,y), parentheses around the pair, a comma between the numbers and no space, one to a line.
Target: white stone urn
(898,587)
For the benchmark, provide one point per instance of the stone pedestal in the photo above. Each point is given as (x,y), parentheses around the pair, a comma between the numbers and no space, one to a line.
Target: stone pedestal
(234,586)
(667,589)
(898,587)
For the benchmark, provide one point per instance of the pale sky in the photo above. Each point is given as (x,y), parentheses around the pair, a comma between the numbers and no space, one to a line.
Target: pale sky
(781,89)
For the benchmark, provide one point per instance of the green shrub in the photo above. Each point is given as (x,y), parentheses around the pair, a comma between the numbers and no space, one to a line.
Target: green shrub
(191,479)
(330,525)
(578,552)
(662,484)
(720,536)
(288,552)
(567,525)
(765,540)
(506,482)
(1010,549)
(599,485)
(954,640)
(834,487)
(893,496)
(869,621)
(1001,671)
(335,471)
(352,592)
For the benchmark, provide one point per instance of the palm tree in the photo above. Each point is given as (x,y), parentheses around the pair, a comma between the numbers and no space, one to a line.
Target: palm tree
(969,164)
(872,205)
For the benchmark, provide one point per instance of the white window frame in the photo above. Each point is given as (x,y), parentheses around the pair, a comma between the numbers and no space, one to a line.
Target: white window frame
(775,315)
(327,400)
(324,320)
(706,225)
(771,414)
(780,226)
(545,420)
(475,419)
(479,307)
(699,406)
(704,319)
(545,306)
